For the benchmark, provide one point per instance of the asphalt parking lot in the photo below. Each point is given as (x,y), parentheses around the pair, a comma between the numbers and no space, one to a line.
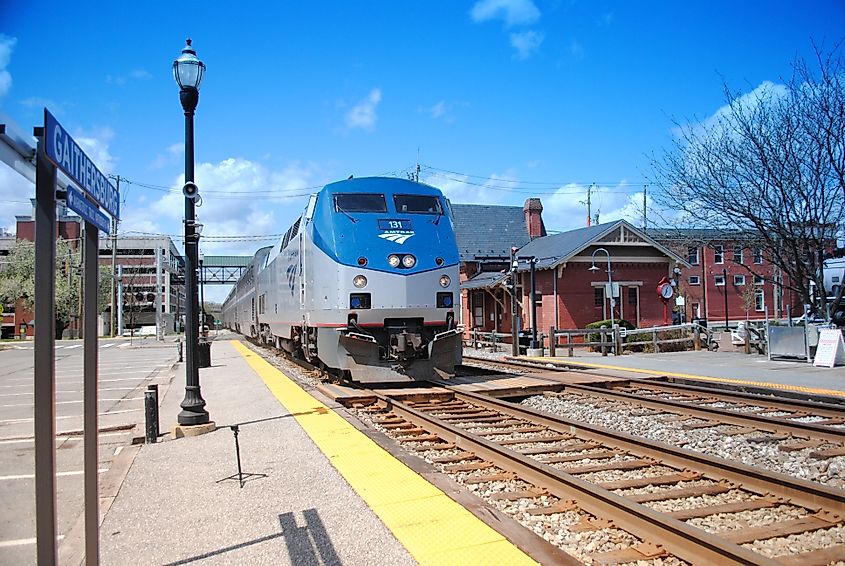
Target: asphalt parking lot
(125,370)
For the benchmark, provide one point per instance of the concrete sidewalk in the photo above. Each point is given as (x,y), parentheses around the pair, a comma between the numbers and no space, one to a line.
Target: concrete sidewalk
(173,508)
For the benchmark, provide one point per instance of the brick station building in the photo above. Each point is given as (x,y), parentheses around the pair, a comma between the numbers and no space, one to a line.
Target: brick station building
(729,276)
(569,294)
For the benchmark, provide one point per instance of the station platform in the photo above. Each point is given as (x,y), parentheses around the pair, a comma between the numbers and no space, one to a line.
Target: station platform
(317,489)
(731,368)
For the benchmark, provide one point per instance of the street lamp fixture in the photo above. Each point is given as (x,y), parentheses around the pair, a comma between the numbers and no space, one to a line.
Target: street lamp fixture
(188,72)
(609,278)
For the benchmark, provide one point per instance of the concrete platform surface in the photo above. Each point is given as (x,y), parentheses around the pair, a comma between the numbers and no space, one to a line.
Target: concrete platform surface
(175,507)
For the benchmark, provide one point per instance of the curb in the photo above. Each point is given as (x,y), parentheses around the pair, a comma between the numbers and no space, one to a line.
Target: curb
(72,546)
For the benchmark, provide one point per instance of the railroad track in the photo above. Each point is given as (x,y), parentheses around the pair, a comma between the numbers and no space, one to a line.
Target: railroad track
(612,498)
(794,424)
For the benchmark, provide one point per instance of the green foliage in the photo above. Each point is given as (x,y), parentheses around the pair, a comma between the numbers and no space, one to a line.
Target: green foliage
(622,323)
(609,323)
(17,280)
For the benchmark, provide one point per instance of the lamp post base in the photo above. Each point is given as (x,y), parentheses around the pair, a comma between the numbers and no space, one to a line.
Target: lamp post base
(193,408)
(182,431)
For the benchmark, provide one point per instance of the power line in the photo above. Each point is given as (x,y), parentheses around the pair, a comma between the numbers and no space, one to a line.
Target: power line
(550,185)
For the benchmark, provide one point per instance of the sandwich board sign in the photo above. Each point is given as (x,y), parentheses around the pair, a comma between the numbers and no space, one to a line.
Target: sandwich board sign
(831,349)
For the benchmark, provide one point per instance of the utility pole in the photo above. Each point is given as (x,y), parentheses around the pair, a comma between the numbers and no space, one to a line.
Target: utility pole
(120,300)
(112,320)
(589,211)
(645,207)
(159,327)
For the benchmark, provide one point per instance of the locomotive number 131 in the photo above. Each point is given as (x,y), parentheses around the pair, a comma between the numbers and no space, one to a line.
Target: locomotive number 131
(394,224)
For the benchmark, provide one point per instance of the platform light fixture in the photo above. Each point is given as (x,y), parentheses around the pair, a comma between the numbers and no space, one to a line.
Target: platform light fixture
(609,279)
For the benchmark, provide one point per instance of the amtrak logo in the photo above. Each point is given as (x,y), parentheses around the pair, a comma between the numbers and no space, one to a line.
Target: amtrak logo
(398,238)
(291,273)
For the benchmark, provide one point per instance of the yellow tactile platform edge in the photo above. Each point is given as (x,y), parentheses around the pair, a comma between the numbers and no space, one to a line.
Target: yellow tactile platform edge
(429,524)
(784,386)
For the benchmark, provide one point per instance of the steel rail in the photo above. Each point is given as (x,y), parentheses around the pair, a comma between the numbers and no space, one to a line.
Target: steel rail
(774,424)
(800,492)
(780,403)
(684,541)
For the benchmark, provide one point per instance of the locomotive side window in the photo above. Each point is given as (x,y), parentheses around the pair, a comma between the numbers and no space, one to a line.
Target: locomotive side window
(417,204)
(359,202)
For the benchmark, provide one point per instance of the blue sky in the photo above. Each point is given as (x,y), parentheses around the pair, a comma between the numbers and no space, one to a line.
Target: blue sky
(499,100)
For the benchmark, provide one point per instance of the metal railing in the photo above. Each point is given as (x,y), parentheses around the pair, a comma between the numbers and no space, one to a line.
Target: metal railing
(616,339)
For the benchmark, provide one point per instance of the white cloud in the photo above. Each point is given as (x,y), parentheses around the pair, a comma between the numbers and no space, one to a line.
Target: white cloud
(7,45)
(438,109)
(765,93)
(133,75)
(567,208)
(235,202)
(363,115)
(462,189)
(15,192)
(511,12)
(525,43)
(95,144)
(576,50)
(171,156)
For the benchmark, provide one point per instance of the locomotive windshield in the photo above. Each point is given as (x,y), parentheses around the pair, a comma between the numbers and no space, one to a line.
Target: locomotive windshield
(419,204)
(359,202)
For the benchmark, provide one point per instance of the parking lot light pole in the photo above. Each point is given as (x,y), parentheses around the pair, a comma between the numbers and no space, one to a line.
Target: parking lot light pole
(188,72)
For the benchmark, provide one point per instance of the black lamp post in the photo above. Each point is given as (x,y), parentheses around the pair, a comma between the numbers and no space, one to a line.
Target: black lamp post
(609,280)
(188,72)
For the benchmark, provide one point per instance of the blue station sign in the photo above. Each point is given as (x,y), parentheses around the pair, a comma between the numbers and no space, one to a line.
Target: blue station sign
(79,203)
(66,154)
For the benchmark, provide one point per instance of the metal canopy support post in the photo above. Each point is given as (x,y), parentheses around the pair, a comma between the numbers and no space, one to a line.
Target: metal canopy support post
(45,358)
(532,261)
(725,290)
(89,333)
(514,325)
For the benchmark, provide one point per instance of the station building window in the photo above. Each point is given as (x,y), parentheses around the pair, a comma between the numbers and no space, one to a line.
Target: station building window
(692,255)
(598,297)
(759,300)
(737,254)
(758,256)
(719,254)
(694,280)
(739,279)
(478,308)
(719,280)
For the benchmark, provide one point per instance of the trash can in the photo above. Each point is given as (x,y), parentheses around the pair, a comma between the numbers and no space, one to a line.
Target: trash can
(204,354)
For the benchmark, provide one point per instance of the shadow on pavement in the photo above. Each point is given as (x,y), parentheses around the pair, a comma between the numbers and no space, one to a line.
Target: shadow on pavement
(309,545)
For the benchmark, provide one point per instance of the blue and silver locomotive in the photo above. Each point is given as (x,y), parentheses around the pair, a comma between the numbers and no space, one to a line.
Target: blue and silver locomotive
(365,282)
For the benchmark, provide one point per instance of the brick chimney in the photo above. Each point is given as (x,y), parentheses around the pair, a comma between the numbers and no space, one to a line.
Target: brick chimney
(534,218)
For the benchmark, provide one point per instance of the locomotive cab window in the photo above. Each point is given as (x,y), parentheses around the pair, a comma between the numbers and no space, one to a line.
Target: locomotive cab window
(417,204)
(359,202)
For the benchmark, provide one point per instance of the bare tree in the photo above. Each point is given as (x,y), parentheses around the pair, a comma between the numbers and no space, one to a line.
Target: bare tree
(770,163)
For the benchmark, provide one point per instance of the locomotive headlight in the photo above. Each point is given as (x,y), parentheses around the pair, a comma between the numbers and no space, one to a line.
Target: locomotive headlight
(360,281)
(393,260)
(445,281)
(409,261)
